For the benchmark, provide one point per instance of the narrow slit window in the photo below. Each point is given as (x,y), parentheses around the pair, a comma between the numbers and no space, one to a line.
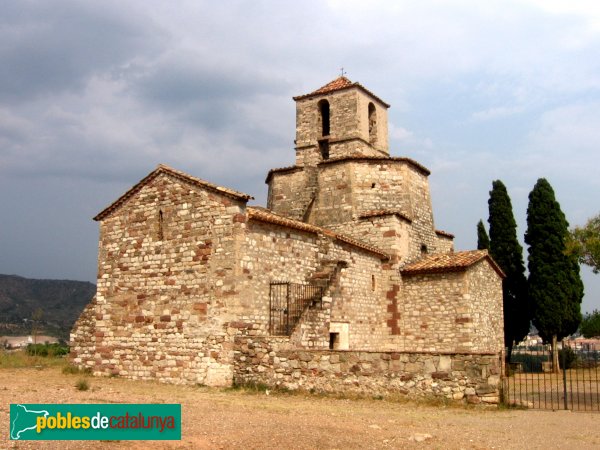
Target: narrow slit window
(160,233)
(372,124)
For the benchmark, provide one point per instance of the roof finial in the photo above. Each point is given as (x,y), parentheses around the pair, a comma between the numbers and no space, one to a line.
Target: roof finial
(342,71)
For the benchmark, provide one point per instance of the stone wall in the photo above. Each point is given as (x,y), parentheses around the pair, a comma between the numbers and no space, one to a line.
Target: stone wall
(359,298)
(272,252)
(385,231)
(292,191)
(350,189)
(453,311)
(444,243)
(334,201)
(167,275)
(83,336)
(486,307)
(274,362)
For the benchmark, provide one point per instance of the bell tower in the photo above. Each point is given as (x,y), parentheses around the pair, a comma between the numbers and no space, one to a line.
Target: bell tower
(339,120)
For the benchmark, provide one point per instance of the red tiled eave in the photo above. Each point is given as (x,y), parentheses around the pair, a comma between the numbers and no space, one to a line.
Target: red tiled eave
(339,84)
(264,215)
(450,262)
(444,234)
(182,176)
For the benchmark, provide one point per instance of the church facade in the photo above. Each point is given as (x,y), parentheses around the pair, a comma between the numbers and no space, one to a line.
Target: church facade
(342,276)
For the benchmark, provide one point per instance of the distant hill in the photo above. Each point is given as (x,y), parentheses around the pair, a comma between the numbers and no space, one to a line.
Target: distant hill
(61,302)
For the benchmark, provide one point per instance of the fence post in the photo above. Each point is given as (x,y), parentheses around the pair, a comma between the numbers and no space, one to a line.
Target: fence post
(287,316)
(564,370)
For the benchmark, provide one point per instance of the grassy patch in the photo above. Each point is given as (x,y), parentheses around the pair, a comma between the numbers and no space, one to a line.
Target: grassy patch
(21,359)
(70,369)
(391,397)
(250,388)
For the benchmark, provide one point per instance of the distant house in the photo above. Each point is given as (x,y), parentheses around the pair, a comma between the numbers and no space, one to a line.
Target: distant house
(15,342)
(584,344)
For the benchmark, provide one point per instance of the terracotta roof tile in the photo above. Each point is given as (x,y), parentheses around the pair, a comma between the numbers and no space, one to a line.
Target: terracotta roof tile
(335,85)
(385,212)
(444,233)
(449,262)
(164,169)
(265,215)
(339,84)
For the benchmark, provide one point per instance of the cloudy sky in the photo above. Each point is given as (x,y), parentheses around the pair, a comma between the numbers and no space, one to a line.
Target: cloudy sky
(94,94)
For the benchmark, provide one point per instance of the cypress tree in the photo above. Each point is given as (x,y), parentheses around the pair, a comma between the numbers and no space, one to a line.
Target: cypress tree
(555,287)
(508,253)
(483,241)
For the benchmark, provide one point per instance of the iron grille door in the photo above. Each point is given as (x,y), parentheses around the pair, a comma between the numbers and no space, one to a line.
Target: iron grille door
(287,303)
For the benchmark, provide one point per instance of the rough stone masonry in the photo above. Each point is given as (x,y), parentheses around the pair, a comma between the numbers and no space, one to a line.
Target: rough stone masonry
(341,284)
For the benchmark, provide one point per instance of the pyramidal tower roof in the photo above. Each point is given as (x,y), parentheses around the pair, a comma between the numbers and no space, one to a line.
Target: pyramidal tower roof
(339,84)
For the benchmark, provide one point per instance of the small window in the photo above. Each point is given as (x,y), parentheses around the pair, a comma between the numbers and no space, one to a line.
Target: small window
(423,250)
(373,283)
(372,185)
(334,340)
(324,117)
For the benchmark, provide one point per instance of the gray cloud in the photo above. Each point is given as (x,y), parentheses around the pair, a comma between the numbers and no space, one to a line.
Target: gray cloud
(49,47)
(94,94)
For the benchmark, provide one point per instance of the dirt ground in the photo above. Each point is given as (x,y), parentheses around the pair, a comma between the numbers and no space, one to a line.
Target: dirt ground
(223,419)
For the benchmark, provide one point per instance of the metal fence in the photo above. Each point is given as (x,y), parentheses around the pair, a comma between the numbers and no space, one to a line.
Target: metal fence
(287,302)
(531,382)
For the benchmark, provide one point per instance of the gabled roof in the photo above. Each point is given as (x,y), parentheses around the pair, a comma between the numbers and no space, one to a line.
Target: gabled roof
(339,84)
(181,176)
(450,262)
(265,215)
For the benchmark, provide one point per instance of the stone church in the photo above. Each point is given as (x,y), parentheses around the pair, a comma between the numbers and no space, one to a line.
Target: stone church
(341,281)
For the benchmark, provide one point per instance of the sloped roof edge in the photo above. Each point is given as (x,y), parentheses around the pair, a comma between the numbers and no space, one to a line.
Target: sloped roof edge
(385,212)
(265,215)
(282,170)
(444,233)
(164,169)
(339,84)
(450,262)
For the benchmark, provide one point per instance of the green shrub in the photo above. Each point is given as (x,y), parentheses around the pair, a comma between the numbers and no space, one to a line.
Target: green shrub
(567,358)
(48,350)
(82,384)
(531,363)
